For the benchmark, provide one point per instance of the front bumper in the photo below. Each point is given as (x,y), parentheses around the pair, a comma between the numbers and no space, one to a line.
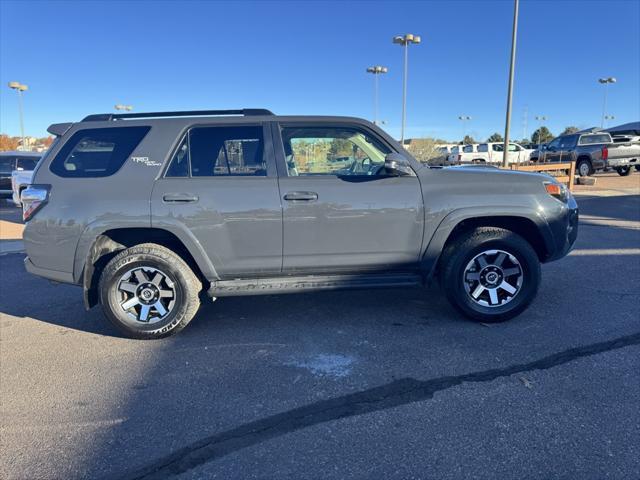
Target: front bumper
(564,228)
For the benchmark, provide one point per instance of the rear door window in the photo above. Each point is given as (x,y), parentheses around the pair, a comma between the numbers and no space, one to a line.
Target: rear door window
(97,152)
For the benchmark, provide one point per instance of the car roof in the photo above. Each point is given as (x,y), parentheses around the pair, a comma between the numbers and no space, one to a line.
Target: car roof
(19,153)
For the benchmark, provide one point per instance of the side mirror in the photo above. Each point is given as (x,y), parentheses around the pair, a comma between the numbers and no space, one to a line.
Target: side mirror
(397,164)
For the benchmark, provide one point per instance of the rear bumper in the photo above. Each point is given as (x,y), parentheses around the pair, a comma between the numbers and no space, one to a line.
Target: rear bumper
(623,162)
(564,228)
(55,275)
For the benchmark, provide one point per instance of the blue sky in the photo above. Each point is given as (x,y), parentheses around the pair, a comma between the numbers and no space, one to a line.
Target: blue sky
(310,58)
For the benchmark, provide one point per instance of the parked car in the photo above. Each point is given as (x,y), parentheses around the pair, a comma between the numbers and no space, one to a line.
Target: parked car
(146,211)
(493,153)
(20,179)
(460,153)
(591,151)
(14,160)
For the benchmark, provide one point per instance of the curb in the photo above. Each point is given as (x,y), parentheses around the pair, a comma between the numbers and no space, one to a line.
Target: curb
(11,246)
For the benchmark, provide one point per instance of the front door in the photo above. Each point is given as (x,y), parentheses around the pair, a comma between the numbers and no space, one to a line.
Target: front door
(221,187)
(341,211)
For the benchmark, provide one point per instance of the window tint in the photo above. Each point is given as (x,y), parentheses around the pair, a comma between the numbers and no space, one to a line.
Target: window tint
(555,143)
(215,151)
(97,152)
(332,151)
(27,163)
(498,147)
(7,165)
(468,149)
(483,147)
(179,166)
(594,139)
(568,141)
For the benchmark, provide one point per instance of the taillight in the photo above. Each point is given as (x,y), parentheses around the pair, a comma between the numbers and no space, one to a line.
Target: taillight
(33,198)
(605,152)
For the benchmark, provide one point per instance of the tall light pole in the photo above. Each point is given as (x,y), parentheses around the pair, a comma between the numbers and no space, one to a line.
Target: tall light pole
(605,82)
(376,70)
(514,36)
(405,40)
(19,87)
(541,119)
(126,108)
(464,119)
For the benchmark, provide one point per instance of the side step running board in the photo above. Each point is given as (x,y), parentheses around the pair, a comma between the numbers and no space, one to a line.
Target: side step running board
(308,283)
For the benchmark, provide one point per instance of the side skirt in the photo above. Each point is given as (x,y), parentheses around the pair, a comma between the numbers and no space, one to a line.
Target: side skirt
(310,283)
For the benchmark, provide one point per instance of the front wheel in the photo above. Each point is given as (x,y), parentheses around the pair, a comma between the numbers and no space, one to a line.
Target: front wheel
(623,171)
(147,291)
(490,274)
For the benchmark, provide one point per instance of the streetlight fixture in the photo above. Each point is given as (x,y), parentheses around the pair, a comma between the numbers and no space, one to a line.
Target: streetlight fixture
(605,82)
(464,119)
(541,119)
(126,108)
(376,70)
(608,117)
(19,87)
(405,40)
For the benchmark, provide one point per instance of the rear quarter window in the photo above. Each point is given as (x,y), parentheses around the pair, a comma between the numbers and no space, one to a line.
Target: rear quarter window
(97,152)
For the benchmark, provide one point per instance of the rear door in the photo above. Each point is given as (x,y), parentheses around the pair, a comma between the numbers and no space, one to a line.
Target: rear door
(341,211)
(222,188)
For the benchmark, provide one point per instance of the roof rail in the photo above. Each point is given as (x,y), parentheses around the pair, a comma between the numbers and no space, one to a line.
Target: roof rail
(107,117)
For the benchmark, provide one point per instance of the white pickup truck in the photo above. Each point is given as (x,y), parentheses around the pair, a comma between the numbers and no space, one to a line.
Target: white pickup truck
(20,179)
(493,153)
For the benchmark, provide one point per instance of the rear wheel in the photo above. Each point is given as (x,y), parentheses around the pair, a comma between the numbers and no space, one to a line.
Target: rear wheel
(147,291)
(623,171)
(584,168)
(490,274)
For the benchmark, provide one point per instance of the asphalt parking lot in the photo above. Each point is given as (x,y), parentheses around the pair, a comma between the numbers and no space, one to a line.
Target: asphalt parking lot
(371,384)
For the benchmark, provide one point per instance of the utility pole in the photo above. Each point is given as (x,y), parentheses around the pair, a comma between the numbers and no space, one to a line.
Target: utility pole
(514,36)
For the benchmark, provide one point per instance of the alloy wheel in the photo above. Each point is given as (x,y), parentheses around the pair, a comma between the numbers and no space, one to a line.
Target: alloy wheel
(493,278)
(146,294)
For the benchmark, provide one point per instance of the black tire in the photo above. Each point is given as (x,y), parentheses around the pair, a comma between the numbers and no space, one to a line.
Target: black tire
(623,171)
(637,167)
(584,168)
(177,278)
(462,251)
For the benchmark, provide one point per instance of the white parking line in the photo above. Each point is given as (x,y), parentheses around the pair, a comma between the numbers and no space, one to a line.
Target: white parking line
(605,251)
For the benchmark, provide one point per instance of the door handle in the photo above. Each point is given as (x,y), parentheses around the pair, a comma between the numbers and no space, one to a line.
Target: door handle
(301,196)
(180,198)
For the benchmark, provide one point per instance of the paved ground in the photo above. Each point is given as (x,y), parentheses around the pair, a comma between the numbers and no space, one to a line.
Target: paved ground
(390,384)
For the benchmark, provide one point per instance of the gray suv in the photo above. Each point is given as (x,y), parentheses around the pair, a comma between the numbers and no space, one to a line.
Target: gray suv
(150,212)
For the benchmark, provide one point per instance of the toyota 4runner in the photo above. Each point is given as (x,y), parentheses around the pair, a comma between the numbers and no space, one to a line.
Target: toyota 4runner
(148,211)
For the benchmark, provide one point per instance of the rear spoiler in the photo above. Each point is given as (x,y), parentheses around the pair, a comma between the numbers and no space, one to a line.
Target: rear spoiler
(59,129)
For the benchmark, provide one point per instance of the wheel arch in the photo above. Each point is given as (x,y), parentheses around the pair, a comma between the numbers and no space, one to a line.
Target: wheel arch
(533,228)
(109,242)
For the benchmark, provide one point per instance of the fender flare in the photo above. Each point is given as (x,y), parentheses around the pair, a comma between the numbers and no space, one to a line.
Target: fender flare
(93,244)
(436,244)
